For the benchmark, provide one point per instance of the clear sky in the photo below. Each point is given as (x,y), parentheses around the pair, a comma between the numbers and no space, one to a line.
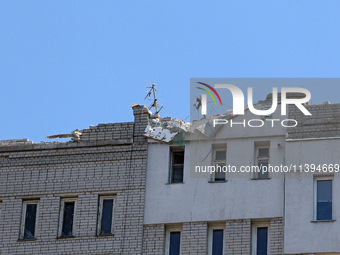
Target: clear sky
(67,64)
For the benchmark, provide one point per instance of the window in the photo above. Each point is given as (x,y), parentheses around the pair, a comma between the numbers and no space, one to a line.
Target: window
(67,213)
(177,165)
(29,219)
(106,215)
(173,241)
(262,160)
(323,190)
(260,236)
(220,156)
(216,240)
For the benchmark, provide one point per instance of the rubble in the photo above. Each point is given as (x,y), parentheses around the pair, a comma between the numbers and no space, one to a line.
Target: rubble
(12,142)
(165,129)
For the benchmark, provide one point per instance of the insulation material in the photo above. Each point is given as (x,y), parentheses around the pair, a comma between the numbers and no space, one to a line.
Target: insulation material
(74,134)
(159,133)
(165,129)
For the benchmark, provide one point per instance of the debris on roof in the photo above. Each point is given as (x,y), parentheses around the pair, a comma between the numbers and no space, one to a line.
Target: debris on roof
(165,129)
(74,134)
(159,133)
(12,142)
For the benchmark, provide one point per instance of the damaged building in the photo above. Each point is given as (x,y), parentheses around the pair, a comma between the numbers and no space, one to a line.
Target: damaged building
(281,212)
(85,196)
(131,188)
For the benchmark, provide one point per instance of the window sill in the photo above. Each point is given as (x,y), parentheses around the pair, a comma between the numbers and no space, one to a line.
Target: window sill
(65,237)
(170,183)
(105,235)
(27,239)
(319,221)
(259,179)
(218,181)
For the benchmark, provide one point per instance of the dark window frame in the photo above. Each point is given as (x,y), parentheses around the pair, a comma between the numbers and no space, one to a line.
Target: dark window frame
(100,215)
(262,159)
(24,219)
(219,162)
(316,211)
(212,228)
(62,217)
(255,227)
(174,150)
(169,230)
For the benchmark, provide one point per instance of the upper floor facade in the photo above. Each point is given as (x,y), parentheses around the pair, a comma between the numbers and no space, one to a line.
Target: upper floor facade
(80,197)
(116,190)
(180,189)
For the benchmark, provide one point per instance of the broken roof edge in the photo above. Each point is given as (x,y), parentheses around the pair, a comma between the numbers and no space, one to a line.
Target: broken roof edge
(75,135)
(204,125)
(139,109)
(10,142)
(64,145)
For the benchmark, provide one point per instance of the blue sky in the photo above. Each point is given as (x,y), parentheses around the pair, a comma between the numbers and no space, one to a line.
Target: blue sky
(68,64)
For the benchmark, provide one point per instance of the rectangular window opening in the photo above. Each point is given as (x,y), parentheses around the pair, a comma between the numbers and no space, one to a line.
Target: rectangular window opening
(67,215)
(173,240)
(177,165)
(323,200)
(29,220)
(262,241)
(175,243)
(260,238)
(216,240)
(220,157)
(262,160)
(106,215)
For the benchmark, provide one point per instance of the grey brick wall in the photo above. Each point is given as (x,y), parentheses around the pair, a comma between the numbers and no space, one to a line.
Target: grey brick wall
(276,236)
(324,121)
(154,239)
(108,132)
(194,238)
(109,159)
(238,237)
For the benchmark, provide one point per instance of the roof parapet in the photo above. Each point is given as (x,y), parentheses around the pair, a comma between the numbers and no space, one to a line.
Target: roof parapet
(11,142)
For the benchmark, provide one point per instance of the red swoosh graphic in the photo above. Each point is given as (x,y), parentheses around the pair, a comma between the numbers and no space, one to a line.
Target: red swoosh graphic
(218,96)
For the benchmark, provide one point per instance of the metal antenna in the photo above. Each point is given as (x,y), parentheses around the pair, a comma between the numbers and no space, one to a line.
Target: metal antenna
(154,103)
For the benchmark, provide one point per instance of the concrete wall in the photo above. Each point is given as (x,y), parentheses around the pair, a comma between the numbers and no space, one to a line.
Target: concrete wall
(196,203)
(314,141)
(197,199)
(301,234)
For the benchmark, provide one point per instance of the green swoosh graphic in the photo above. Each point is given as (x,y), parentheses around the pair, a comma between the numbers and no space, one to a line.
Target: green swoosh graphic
(208,93)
